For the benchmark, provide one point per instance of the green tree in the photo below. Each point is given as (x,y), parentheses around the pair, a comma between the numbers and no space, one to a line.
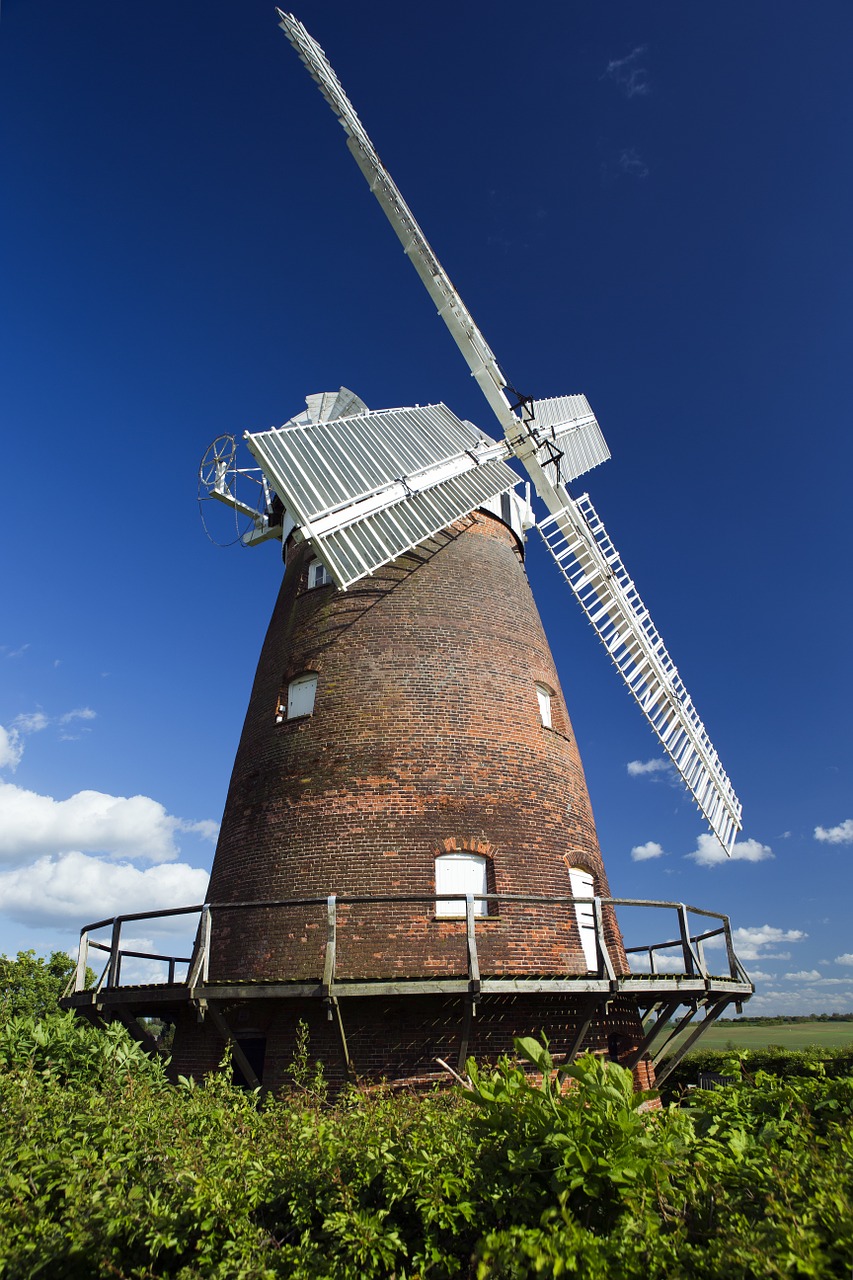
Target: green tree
(31,985)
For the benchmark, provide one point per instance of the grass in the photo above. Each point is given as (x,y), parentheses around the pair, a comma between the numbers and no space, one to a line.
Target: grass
(788,1035)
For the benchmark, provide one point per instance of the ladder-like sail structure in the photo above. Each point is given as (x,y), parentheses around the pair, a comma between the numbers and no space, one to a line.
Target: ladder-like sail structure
(556,441)
(367,488)
(593,569)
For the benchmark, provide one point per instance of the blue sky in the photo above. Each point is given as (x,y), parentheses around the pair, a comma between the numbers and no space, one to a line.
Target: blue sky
(647,203)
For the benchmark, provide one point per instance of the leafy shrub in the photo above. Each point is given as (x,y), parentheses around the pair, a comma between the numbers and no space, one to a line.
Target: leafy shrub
(773,1060)
(69,1050)
(107,1171)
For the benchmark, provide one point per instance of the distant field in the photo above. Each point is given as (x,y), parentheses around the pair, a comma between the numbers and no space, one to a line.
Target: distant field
(790,1035)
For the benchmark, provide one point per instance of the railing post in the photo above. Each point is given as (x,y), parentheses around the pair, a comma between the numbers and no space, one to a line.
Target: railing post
(198,967)
(115,954)
(82,962)
(653,960)
(207,917)
(473,961)
(690,962)
(171,977)
(604,961)
(331,945)
(735,967)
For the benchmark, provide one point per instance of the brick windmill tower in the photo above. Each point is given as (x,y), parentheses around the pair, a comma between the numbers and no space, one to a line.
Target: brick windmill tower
(408,860)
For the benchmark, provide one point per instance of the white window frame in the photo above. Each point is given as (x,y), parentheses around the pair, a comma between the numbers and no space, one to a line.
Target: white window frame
(318,574)
(544,696)
(301,695)
(583,886)
(461,873)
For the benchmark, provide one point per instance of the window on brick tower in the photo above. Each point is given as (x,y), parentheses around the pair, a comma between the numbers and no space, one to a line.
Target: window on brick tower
(299,700)
(461,873)
(583,886)
(318,574)
(544,694)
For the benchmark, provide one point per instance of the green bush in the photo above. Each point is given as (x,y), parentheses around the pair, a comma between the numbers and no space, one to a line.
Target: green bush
(773,1060)
(108,1171)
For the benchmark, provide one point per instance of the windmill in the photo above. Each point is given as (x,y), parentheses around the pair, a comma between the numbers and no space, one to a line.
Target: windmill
(431,469)
(407,832)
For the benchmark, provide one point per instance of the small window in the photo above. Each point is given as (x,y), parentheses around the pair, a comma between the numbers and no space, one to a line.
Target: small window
(300,699)
(460,873)
(583,886)
(318,574)
(544,694)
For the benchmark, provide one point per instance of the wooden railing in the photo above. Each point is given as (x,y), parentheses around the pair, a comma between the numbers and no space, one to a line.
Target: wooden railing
(688,946)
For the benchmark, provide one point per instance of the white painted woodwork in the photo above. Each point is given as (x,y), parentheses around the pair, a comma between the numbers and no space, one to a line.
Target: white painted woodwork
(367,488)
(318,574)
(300,696)
(591,565)
(543,693)
(583,886)
(460,873)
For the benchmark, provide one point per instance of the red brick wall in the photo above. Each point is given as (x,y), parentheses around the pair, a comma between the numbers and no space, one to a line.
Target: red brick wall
(400,1039)
(425,736)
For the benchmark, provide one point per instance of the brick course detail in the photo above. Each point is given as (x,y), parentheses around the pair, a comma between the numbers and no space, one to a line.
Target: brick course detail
(425,739)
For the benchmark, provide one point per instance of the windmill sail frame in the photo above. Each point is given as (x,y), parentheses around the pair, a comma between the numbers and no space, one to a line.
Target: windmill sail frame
(580,546)
(369,487)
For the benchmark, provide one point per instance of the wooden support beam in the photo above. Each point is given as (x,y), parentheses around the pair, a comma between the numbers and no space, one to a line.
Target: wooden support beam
(666,1010)
(465,1039)
(711,1015)
(580,1035)
(677,1030)
(228,1036)
(335,1008)
(140,1034)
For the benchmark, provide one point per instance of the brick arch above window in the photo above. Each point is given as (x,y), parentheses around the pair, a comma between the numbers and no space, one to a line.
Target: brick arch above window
(579,860)
(465,844)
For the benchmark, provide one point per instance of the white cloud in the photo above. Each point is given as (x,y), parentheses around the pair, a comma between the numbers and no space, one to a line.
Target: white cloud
(14,653)
(847,958)
(842,834)
(32,825)
(629,73)
(11,748)
(79,713)
(31,722)
(206,827)
(72,887)
(641,768)
(709,852)
(643,852)
(752,944)
(664,963)
(804,975)
(631,162)
(758,975)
